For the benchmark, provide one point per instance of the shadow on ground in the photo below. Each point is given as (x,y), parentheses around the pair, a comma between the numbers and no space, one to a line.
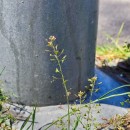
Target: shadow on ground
(113,77)
(109,83)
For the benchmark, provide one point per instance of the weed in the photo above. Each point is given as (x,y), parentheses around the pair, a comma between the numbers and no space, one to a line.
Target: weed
(58,56)
(7,119)
(86,120)
(75,111)
(25,123)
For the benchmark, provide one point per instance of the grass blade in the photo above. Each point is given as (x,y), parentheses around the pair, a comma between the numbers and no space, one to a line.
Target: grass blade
(111,96)
(120,30)
(114,90)
(25,122)
(2,71)
(33,117)
(76,123)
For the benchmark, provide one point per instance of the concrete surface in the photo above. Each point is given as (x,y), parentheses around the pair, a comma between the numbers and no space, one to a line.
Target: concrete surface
(112,13)
(24,27)
(46,115)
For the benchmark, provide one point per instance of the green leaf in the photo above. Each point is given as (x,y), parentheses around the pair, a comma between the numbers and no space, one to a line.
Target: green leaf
(120,30)
(56,52)
(25,122)
(52,59)
(62,51)
(122,103)
(56,47)
(2,71)
(65,81)
(76,123)
(57,71)
(33,117)
(63,58)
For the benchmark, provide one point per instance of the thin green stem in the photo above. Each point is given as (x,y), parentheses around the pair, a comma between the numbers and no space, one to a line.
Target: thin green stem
(114,90)
(65,87)
(53,123)
(89,105)
(2,71)
(99,99)
(114,95)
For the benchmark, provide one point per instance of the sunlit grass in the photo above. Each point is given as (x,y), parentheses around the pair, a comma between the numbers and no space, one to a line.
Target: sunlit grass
(113,50)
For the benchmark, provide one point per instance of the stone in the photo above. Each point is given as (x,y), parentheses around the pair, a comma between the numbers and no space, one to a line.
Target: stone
(46,115)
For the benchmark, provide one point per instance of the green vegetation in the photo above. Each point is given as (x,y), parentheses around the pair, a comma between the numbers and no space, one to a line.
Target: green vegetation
(7,119)
(75,111)
(86,120)
(113,50)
